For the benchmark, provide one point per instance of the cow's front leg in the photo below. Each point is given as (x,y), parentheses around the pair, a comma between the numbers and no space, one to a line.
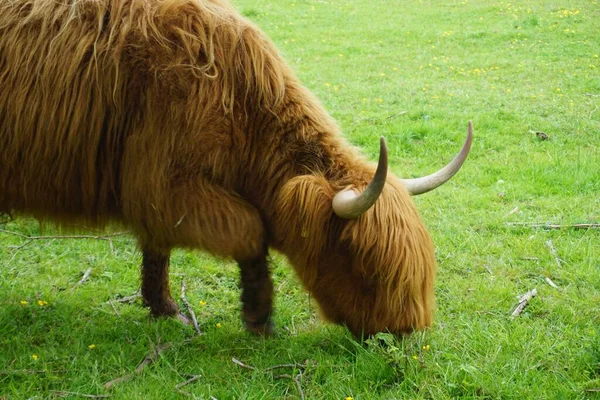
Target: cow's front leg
(257,294)
(217,220)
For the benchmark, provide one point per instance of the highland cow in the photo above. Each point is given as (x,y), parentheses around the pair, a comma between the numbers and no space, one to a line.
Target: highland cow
(180,120)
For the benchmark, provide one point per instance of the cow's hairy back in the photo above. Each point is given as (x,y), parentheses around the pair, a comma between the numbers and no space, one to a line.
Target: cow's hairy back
(82,80)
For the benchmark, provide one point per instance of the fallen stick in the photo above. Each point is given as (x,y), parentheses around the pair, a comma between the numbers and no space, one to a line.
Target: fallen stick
(523,302)
(127,299)
(22,371)
(554,252)
(185,383)
(85,277)
(549,282)
(29,239)
(189,309)
(149,359)
(554,226)
(96,237)
(114,309)
(295,366)
(241,364)
(530,259)
(294,378)
(63,393)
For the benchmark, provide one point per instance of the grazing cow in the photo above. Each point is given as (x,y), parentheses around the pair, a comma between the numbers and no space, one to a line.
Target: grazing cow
(180,120)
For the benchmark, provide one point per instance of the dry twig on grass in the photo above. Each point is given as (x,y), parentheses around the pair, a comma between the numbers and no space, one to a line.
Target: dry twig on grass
(241,364)
(554,252)
(114,309)
(151,357)
(127,299)
(29,239)
(549,282)
(554,226)
(530,259)
(523,302)
(295,378)
(189,308)
(63,393)
(84,278)
(185,383)
(22,371)
(301,367)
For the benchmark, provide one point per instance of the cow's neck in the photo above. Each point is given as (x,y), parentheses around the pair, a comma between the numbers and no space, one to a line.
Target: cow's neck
(299,139)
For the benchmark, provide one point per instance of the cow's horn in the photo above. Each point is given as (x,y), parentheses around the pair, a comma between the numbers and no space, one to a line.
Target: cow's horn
(349,205)
(425,184)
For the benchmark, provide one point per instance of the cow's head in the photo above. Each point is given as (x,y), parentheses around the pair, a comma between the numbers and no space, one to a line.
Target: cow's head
(363,252)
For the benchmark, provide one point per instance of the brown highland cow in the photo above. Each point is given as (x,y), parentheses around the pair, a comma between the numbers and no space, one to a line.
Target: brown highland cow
(180,120)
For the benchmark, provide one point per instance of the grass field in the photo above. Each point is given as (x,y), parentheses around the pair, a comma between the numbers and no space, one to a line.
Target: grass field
(415,72)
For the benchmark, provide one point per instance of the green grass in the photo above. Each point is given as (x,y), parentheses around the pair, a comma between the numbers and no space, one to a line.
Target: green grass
(416,72)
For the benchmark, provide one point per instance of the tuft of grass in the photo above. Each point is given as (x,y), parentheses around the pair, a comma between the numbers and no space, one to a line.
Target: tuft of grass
(414,71)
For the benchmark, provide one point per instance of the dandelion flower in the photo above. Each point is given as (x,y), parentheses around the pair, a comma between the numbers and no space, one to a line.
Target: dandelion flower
(24,302)
(34,356)
(91,346)
(219,325)
(202,303)
(349,398)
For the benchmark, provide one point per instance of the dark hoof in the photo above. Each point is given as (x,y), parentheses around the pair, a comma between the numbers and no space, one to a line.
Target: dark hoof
(260,329)
(164,309)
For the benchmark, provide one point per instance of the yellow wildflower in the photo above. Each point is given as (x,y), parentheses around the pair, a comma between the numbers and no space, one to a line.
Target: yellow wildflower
(219,325)
(42,303)
(24,302)
(202,303)
(34,356)
(91,346)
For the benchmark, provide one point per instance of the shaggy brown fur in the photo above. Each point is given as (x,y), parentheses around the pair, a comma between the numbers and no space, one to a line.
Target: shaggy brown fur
(180,119)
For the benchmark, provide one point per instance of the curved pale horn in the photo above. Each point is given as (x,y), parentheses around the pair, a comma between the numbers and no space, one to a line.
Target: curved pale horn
(426,183)
(349,205)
